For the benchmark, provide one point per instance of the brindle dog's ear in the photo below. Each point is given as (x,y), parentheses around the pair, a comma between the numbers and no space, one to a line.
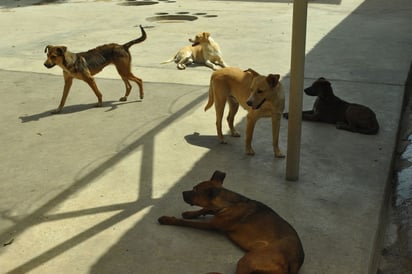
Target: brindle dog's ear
(273,80)
(61,50)
(218,176)
(47,48)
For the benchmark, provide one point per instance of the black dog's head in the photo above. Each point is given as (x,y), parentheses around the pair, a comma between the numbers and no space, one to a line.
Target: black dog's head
(320,87)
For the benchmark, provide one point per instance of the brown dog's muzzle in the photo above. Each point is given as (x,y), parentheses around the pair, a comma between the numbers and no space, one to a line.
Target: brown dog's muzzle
(188,196)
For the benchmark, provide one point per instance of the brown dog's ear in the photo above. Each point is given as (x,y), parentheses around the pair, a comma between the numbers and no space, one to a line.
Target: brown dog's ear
(273,79)
(218,176)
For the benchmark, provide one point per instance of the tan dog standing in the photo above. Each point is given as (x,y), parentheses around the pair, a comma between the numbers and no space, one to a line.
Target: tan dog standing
(272,244)
(84,65)
(261,96)
(204,50)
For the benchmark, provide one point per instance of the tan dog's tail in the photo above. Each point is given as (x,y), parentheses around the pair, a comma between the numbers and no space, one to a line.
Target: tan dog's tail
(211,99)
(169,61)
(136,41)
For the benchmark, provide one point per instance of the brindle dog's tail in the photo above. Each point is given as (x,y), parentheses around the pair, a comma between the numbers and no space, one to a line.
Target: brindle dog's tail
(136,41)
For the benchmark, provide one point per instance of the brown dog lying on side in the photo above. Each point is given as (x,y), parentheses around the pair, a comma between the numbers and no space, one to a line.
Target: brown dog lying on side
(271,243)
(329,108)
(204,50)
(261,96)
(84,65)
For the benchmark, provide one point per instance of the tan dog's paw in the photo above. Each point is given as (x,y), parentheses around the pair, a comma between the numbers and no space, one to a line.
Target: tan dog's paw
(167,220)
(250,151)
(181,66)
(222,141)
(235,134)
(279,154)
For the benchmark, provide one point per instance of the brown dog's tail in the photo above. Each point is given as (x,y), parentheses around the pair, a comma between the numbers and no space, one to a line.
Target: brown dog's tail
(211,99)
(136,41)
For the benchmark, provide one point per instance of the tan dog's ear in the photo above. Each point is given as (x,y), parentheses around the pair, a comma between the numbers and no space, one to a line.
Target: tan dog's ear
(253,72)
(218,176)
(206,35)
(273,80)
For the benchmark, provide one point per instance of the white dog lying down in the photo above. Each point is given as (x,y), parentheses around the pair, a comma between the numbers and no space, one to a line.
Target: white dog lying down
(204,50)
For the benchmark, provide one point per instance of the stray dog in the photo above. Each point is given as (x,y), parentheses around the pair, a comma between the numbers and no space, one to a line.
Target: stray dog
(84,65)
(272,244)
(261,96)
(329,108)
(204,50)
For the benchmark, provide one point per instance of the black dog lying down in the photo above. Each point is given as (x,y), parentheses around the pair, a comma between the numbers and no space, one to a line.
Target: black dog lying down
(330,109)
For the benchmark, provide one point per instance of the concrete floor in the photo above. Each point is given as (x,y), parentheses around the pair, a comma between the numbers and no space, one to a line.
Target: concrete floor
(81,191)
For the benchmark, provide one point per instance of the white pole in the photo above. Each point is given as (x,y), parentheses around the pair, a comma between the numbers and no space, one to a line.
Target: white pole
(297,72)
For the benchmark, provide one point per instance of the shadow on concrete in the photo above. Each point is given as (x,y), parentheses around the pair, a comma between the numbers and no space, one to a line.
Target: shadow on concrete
(24,3)
(112,105)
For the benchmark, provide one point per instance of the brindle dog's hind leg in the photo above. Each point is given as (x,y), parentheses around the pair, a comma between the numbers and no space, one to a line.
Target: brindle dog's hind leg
(123,67)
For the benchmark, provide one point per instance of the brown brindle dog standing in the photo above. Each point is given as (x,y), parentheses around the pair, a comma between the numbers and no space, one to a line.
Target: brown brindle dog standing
(84,65)
(272,244)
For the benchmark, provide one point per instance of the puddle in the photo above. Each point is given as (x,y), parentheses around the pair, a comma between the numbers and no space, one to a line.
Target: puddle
(169,18)
(138,3)
(181,16)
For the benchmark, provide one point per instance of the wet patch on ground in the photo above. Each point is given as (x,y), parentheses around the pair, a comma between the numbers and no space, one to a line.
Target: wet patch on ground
(144,2)
(165,17)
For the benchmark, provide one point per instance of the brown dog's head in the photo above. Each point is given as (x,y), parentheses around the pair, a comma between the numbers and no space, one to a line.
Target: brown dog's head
(321,87)
(201,37)
(205,192)
(262,89)
(55,55)
(211,195)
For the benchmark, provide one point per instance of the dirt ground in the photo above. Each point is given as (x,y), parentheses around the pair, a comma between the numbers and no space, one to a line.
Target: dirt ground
(397,251)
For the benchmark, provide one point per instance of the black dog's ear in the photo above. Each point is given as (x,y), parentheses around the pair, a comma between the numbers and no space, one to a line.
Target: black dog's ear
(218,176)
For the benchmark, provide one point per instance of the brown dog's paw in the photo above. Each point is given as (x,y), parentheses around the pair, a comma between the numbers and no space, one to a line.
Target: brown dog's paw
(123,99)
(166,220)
(285,115)
(190,215)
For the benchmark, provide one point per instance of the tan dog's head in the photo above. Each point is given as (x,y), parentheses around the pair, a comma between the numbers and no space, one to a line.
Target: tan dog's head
(55,55)
(201,37)
(262,88)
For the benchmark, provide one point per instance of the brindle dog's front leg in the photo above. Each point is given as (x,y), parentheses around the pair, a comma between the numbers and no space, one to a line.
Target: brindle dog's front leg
(68,81)
(90,81)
